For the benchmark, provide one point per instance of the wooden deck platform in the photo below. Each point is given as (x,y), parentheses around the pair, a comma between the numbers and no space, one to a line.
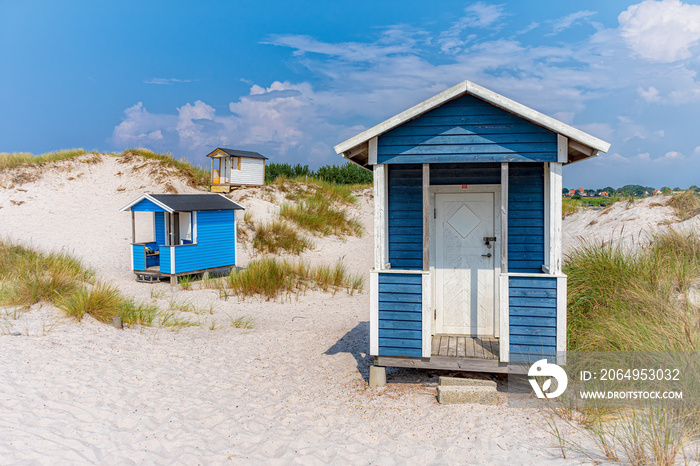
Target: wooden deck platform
(454,353)
(460,346)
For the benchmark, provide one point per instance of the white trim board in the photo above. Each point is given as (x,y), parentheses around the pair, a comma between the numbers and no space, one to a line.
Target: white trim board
(468,87)
(150,198)
(374,313)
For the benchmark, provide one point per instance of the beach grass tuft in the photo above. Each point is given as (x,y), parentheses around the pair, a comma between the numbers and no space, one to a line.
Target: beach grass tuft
(686,205)
(320,216)
(16,159)
(196,176)
(271,278)
(278,236)
(620,299)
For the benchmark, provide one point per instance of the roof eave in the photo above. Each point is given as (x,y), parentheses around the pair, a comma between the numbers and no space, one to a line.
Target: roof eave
(146,197)
(468,87)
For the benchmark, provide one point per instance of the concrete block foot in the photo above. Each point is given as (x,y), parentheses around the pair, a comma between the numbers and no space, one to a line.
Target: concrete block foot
(377,376)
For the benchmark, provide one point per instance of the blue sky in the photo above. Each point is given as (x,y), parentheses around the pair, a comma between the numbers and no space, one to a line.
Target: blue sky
(292,79)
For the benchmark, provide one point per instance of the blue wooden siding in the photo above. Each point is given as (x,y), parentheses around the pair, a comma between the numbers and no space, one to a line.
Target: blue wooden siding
(165,259)
(461,174)
(525,217)
(406,217)
(146,206)
(215,245)
(533,318)
(160,228)
(139,255)
(400,314)
(467,129)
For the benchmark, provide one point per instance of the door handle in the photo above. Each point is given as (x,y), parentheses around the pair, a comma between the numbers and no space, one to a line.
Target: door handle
(486,255)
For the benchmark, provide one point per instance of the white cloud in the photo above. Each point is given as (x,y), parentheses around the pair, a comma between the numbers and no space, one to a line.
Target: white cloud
(477,16)
(140,127)
(568,21)
(651,94)
(167,81)
(662,31)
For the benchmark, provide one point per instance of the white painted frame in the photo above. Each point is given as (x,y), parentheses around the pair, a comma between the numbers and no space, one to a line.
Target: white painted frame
(381,217)
(561,318)
(552,218)
(374,313)
(426,342)
(495,189)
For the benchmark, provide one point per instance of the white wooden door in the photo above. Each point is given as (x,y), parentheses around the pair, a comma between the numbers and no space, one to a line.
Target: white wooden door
(464,275)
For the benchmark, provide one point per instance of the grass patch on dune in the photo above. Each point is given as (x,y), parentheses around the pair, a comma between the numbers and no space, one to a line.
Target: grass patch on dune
(271,278)
(571,205)
(279,236)
(634,300)
(301,188)
(320,216)
(28,276)
(12,160)
(196,175)
(685,205)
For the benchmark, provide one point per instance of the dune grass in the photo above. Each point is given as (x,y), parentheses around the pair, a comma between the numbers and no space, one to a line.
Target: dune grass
(620,299)
(572,205)
(302,188)
(28,276)
(12,160)
(320,216)
(278,236)
(271,278)
(624,299)
(195,175)
(685,205)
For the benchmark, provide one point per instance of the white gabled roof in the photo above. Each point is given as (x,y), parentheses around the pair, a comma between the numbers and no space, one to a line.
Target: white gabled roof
(350,148)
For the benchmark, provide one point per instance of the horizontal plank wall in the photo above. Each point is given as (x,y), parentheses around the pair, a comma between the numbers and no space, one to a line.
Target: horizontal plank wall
(215,243)
(526,237)
(251,172)
(138,255)
(461,174)
(406,217)
(532,304)
(165,259)
(470,127)
(160,228)
(400,316)
(146,206)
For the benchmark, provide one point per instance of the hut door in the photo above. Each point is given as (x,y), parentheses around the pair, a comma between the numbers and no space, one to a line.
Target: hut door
(464,272)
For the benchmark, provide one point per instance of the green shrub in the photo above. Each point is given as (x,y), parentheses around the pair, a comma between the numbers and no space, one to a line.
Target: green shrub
(348,174)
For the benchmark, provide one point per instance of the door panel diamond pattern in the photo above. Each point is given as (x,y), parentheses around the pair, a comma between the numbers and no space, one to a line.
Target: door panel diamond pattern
(464,221)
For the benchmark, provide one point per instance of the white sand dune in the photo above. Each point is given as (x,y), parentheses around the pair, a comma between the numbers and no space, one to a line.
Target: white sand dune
(291,390)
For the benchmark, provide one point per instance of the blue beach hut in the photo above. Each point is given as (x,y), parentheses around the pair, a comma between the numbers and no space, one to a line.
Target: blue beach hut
(467,231)
(192,233)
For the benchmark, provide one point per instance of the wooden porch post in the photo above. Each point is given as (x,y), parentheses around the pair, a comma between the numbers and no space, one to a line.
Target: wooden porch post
(504,218)
(426,217)
(133,227)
